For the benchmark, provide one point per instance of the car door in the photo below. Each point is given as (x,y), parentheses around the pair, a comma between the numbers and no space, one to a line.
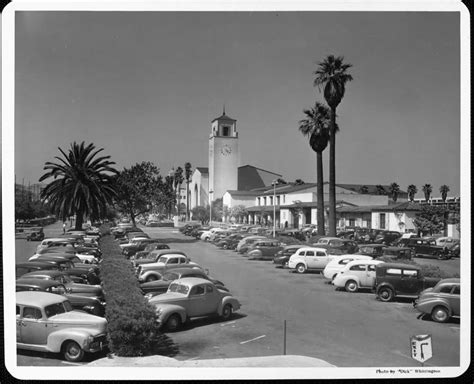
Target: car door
(202,300)
(454,300)
(369,276)
(33,329)
(410,284)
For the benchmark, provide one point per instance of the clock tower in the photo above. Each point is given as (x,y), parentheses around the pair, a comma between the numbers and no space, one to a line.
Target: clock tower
(223,156)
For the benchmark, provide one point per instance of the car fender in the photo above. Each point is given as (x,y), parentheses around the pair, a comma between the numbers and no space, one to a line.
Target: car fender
(256,253)
(343,279)
(228,300)
(79,335)
(427,305)
(168,309)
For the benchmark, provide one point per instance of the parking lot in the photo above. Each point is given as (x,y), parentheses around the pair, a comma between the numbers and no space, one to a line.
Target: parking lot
(347,330)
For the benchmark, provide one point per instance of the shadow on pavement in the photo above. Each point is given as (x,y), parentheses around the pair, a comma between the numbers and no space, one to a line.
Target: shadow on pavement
(203,321)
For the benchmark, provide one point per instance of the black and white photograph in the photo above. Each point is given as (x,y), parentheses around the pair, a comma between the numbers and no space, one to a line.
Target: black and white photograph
(236,191)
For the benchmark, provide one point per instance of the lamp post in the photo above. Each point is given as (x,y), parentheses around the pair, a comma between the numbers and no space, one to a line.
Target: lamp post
(274,183)
(210,206)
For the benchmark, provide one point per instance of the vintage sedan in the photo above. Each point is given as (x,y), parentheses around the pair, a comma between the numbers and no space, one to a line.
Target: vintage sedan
(192,297)
(47,322)
(442,301)
(281,257)
(92,305)
(158,287)
(357,274)
(309,259)
(33,266)
(337,265)
(264,250)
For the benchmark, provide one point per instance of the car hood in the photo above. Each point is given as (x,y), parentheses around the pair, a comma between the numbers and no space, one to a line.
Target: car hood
(168,298)
(147,266)
(79,319)
(85,289)
(155,284)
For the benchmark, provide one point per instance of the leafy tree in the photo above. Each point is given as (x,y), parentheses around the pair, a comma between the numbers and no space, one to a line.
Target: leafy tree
(364,189)
(412,191)
(26,207)
(83,183)
(139,189)
(239,212)
(201,213)
(444,189)
(430,220)
(178,180)
(380,190)
(281,181)
(168,195)
(332,74)
(218,209)
(427,189)
(316,126)
(394,191)
(299,182)
(187,174)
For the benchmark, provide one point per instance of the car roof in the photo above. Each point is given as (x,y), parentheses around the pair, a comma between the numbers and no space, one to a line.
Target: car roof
(163,252)
(36,298)
(46,272)
(40,283)
(312,249)
(191,281)
(400,265)
(185,270)
(34,263)
(365,261)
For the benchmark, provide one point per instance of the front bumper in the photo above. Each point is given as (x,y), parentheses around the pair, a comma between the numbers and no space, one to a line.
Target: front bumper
(98,343)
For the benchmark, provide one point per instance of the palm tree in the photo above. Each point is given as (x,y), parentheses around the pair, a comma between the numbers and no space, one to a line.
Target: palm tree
(427,189)
(178,180)
(412,191)
(316,126)
(187,175)
(394,191)
(83,183)
(380,189)
(444,189)
(332,75)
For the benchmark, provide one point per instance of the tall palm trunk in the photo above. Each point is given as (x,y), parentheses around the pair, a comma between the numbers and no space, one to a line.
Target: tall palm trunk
(332,174)
(187,200)
(320,192)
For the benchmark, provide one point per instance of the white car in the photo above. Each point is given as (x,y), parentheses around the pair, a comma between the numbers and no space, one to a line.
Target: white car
(357,274)
(207,234)
(309,259)
(337,264)
(87,259)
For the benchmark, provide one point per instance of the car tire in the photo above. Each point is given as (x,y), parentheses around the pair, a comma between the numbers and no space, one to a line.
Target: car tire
(351,286)
(440,314)
(151,278)
(300,268)
(72,351)
(385,294)
(173,323)
(226,312)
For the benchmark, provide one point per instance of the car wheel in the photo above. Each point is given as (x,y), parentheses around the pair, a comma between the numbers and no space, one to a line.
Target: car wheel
(385,294)
(440,314)
(151,278)
(73,352)
(300,268)
(351,286)
(226,312)
(173,323)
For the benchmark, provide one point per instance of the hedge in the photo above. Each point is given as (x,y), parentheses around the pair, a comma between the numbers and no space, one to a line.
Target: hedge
(132,329)
(427,270)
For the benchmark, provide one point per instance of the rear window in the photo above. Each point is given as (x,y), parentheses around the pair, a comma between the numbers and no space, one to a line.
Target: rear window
(357,267)
(410,273)
(393,272)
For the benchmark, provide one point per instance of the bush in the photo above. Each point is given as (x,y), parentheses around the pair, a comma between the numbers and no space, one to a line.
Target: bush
(427,270)
(132,328)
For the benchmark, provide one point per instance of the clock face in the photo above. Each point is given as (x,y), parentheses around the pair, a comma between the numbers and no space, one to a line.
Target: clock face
(226,150)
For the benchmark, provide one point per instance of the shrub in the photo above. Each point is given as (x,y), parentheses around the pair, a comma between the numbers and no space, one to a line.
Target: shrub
(427,270)
(132,328)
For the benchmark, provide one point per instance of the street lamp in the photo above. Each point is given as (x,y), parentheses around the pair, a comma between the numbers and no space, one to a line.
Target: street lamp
(274,183)
(210,206)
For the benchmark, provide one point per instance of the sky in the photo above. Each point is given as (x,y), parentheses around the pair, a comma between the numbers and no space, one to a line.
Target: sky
(145,86)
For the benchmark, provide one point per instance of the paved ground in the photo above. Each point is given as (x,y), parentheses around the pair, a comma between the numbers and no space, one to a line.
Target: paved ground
(346,330)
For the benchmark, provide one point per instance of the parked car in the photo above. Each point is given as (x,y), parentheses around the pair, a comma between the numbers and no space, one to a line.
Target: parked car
(155,255)
(154,271)
(357,274)
(281,257)
(337,265)
(387,237)
(293,233)
(442,301)
(137,245)
(32,266)
(158,287)
(455,250)
(92,305)
(192,297)
(400,280)
(35,235)
(47,322)
(309,259)
(64,278)
(401,253)
(264,250)
(246,243)
(230,242)
(372,250)
(425,248)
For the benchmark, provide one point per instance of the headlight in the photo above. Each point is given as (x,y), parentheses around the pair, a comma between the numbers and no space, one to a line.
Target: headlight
(148,296)
(158,311)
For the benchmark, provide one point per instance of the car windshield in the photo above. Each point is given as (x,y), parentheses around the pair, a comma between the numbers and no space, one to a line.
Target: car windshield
(57,308)
(170,276)
(179,288)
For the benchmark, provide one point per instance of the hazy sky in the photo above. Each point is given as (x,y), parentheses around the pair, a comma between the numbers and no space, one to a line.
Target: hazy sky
(146,85)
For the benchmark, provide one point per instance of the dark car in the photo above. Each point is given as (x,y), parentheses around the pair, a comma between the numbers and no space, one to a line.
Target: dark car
(230,242)
(158,287)
(404,253)
(32,266)
(149,248)
(387,237)
(264,250)
(88,304)
(400,280)
(35,235)
(372,250)
(343,245)
(294,233)
(442,301)
(455,250)
(138,245)
(281,258)
(425,248)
